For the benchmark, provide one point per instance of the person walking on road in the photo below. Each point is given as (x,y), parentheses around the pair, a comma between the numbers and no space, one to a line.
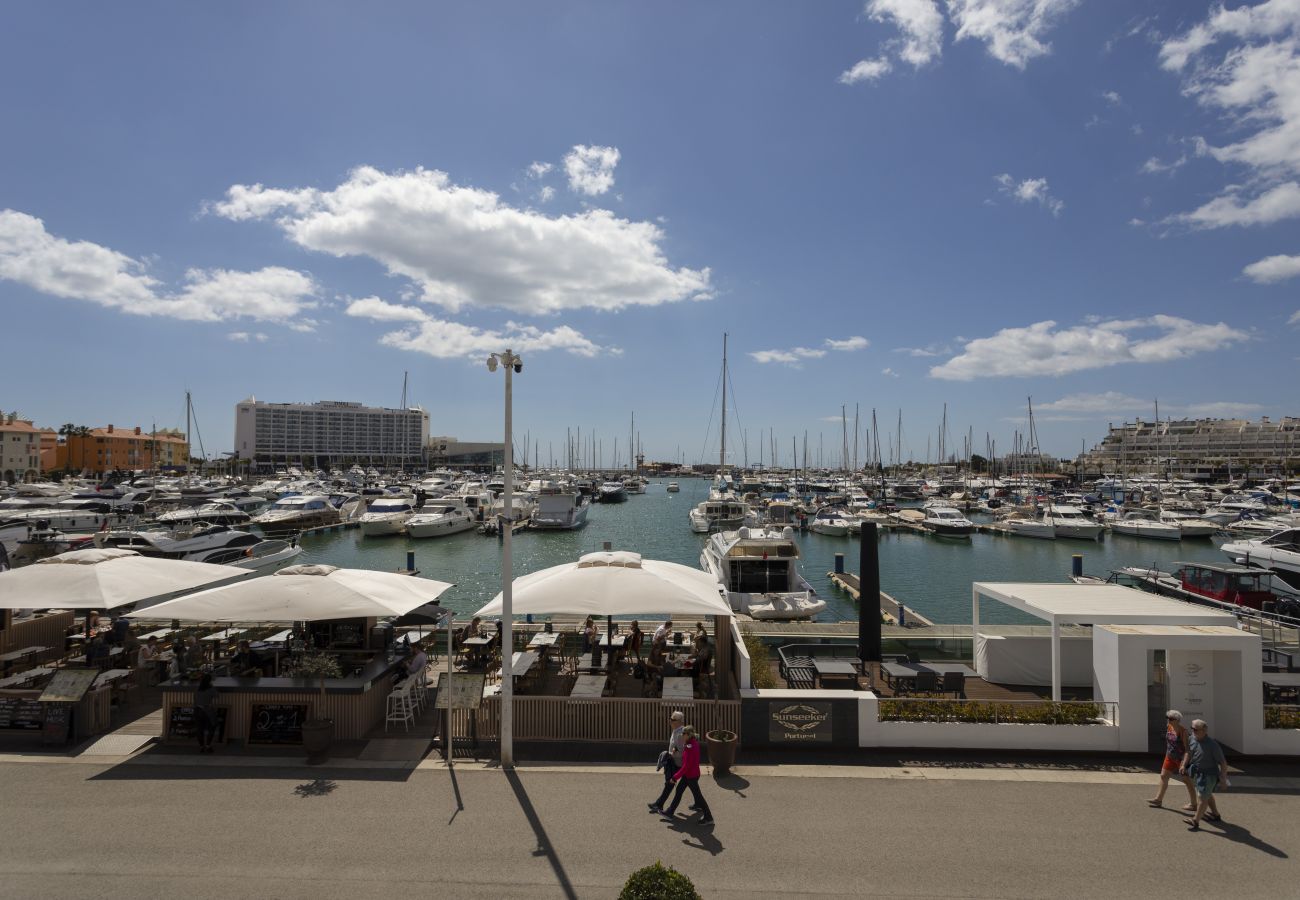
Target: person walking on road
(1208,768)
(688,776)
(671,758)
(1175,755)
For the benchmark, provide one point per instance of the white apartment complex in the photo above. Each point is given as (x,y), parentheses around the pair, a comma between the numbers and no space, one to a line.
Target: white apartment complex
(329,433)
(1207,448)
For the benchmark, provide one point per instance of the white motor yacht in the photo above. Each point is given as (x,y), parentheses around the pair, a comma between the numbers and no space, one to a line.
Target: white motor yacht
(1279,552)
(719,513)
(832,523)
(758,569)
(946,521)
(218,512)
(1145,523)
(387,515)
(1189,525)
(1023,526)
(560,508)
(673,487)
(1070,522)
(216,544)
(612,492)
(439,518)
(296,513)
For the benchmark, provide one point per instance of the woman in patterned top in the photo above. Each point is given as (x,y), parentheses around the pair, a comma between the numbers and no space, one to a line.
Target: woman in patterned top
(1175,753)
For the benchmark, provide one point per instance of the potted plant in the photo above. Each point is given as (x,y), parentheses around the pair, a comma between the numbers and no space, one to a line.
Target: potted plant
(658,882)
(722,750)
(317,731)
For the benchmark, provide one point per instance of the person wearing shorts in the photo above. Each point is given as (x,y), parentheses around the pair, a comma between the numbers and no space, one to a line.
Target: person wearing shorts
(1208,768)
(1175,754)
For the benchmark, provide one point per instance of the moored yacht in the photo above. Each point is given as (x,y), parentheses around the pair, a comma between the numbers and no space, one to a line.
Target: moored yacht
(216,544)
(387,515)
(560,508)
(1070,522)
(218,512)
(673,487)
(296,513)
(719,513)
(947,521)
(758,569)
(831,522)
(1145,523)
(1279,552)
(612,492)
(439,518)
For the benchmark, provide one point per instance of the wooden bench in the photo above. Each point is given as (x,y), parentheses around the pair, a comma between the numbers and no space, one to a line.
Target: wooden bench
(801,677)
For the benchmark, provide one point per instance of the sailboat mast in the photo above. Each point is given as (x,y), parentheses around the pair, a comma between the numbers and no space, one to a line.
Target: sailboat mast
(722,454)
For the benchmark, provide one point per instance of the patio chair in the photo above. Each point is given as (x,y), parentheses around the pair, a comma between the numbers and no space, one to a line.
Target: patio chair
(912,658)
(926,683)
(954,683)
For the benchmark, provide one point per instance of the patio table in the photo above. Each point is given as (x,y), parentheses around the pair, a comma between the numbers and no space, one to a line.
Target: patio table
(24,677)
(945,668)
(15,655)
(835,668)
(896,672)
(224,634)
(588,687)
(159,634)
(522,662)
(678,689)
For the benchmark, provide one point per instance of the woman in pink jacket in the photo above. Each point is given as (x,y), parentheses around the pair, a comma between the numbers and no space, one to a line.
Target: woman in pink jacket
(688,776)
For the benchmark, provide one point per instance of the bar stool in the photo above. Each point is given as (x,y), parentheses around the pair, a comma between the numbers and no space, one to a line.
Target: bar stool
(400,708)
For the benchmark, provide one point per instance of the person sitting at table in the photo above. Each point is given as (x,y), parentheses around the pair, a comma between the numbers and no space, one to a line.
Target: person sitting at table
(245,663)
(97,650)
(92,621)
(655,663)
(417,662)
(475,627)
(701,658)
(589,635)
(119,630)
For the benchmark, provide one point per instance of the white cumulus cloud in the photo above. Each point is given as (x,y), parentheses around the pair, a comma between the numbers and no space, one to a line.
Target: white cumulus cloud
(1029,190)
(455,340)
(1014,31)
(1042,349)
(1272,269)
(1244,65)
(920,26)
(866,70)
(795,356)
(243,337)
(82,270)
(591,169)
(539,169)
(463,247)
(1104,403)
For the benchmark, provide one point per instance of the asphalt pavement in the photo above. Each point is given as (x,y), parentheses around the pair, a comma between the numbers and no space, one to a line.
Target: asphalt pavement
(178,827)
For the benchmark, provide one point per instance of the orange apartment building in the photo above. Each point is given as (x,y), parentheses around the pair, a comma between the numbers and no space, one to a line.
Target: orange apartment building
(112,449)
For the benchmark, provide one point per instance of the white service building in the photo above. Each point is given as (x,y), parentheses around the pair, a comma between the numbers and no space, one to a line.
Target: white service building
(329,433)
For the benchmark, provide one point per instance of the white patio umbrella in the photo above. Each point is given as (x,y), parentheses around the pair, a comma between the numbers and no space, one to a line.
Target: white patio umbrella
(304,594)
(615,583)
(104,578)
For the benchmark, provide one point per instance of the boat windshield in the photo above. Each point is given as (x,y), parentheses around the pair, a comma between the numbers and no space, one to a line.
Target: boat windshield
(390,506)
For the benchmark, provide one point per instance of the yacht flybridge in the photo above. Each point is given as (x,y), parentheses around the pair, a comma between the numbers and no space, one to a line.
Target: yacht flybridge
(387,515)
(1070,522)
(720,513)
(758,569)
(439,518)
(560,508)
(1279,552)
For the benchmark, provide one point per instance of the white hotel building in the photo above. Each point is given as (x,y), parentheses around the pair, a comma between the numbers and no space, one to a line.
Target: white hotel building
(329,434)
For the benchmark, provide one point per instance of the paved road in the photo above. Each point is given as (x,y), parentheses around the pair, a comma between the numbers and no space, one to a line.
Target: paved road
(220,831)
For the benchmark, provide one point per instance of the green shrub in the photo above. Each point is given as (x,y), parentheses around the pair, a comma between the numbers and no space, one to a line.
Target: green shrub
(1046,713)
(760,662)
(658,883)
(1282,717)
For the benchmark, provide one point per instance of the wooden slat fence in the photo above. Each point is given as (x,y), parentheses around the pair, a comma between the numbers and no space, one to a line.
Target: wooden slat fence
(607,720)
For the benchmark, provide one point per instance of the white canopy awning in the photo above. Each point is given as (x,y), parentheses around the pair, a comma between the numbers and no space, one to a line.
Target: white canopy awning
(1089,604)
(304,594)
(618,583)
(105,578)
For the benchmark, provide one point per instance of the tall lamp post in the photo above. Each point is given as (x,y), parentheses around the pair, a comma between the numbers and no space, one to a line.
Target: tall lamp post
(512,364)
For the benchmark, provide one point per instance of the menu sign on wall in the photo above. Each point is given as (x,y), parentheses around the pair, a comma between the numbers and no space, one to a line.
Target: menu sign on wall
(20,713)
(808,723)
(182,725)
(1191,688)
(279,723)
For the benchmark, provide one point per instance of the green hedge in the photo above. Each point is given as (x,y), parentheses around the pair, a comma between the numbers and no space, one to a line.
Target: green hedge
(658,883)
(1045,713)
(1282,717)
(760,667)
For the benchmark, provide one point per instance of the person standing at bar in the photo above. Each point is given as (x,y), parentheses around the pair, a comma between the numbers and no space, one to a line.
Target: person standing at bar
(671,758)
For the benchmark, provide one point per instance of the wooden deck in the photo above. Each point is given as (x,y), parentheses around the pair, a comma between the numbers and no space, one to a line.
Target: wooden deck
(976,688)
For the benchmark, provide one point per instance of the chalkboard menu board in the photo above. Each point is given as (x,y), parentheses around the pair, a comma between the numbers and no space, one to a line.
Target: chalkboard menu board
(58,723)
(20,713)
(69,685)
(279,723)
(182,726)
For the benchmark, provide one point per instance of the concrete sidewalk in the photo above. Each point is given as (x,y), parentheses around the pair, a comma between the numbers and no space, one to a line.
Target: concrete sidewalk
(213,827)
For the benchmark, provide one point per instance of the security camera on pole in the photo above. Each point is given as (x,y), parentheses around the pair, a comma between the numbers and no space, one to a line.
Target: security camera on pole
(512,365)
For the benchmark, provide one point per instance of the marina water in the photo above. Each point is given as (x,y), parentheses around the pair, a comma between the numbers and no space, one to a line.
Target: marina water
(930,575)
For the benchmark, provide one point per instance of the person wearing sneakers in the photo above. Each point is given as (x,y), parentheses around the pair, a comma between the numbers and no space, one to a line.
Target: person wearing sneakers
(1175,755)
(1208,768)
(688,776)
(671,759)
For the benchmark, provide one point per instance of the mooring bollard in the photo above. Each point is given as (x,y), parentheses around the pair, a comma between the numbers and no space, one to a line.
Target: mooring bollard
(839,563)
(1076,565)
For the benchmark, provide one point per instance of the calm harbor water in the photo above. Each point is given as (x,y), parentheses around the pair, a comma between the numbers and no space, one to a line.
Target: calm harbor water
(930,575)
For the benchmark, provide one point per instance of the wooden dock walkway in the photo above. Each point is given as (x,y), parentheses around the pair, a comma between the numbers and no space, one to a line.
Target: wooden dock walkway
(889,607)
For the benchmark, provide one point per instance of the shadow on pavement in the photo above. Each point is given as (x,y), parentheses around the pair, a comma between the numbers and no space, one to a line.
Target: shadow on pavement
(544,847)
(321,787)
(698,837)
(732,782)
(455,789)
(1239,835)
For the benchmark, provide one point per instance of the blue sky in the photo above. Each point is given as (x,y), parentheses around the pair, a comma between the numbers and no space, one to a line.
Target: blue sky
(897,204)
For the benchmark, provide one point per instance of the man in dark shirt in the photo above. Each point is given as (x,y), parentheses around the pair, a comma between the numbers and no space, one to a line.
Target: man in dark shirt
(1206,764)
(245,663)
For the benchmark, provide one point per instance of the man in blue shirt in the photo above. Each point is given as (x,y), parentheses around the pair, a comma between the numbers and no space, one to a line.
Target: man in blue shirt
(1208,768)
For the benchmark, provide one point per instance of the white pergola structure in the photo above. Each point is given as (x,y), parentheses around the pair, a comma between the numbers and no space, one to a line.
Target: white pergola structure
(1089,604)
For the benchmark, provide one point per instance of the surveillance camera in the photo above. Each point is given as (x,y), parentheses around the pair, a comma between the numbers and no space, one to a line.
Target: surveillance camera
(492,363)
(519,366)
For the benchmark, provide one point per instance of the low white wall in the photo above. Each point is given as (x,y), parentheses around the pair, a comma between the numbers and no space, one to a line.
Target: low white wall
(742,657)
(1275,742)
(979,736)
